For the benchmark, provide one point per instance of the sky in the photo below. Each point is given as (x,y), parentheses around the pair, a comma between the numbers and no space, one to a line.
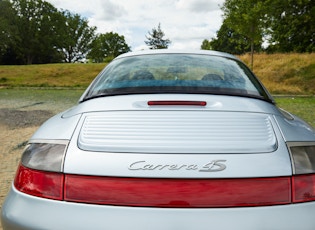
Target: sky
(185,22)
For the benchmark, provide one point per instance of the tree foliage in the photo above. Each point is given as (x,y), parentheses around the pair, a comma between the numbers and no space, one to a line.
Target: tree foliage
(283,26)
(76,37)
(246,18)
(106,47)
(206,45)
(5,34)
(228,40)
(155,39)
(34,31)
(7,31)
(291,25)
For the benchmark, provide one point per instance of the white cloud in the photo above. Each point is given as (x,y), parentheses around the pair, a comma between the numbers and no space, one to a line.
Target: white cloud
(198,6)
(110,11)
(185,22)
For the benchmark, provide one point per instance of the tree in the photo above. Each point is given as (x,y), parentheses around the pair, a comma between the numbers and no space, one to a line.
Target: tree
(108,46)
(5,28)
(35,22)
(291,25)
(206,45)
(75,38)
(228,40)
(286,26)
(8,32)
(247,18)
(155,39)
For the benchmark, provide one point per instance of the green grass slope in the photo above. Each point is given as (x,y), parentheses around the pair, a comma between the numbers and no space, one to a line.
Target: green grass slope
(292,74)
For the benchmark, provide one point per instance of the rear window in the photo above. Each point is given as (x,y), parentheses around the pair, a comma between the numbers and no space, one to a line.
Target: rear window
(176,73)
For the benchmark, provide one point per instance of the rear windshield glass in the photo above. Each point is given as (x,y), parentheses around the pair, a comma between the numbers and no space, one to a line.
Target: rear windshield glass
(176,73)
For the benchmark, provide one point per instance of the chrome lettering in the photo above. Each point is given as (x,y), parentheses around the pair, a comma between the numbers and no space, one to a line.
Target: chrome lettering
(213,166)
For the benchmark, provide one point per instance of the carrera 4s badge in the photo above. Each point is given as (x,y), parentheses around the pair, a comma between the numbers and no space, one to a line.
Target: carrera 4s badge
(213,166)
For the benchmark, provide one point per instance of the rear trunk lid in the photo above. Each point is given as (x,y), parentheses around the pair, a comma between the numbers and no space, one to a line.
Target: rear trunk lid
(228,137)
(189,132)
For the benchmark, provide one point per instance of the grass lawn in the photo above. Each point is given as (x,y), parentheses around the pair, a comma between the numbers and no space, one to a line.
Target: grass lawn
(304,107)
(54,100)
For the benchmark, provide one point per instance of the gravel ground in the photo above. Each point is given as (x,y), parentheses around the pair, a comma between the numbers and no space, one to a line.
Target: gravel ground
(19,119)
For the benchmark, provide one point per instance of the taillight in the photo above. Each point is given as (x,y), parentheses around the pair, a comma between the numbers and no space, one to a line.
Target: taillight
(303,164)
(40,172)
(39,183)
(187,103)
(45,156)
(176,193)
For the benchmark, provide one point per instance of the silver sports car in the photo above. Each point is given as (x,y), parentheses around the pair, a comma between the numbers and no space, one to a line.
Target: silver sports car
(168,140)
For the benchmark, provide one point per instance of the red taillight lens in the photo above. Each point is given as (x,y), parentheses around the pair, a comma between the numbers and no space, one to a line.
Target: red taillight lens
(303,188)
(192,103)
(178,192)
(39,183)
(171,193)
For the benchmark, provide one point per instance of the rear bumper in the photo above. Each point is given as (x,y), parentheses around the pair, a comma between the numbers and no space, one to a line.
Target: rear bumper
(22,211)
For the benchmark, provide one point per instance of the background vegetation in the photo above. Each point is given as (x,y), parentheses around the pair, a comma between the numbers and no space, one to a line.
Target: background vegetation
(49,75)
(292,73)
(284,26)
(265,25)
(35,32)
(300,106)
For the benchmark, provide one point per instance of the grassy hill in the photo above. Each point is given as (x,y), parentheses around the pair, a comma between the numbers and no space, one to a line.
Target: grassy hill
(49,75)
(285,73)
(292,74)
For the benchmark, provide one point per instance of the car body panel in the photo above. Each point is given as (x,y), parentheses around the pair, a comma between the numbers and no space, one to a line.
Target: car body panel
(295,129)
(57,128)
(23,211)
(78,161)
(175,166)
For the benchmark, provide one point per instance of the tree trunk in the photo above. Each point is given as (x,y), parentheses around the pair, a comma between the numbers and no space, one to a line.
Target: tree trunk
(252,54)
(29,59)
(252,40)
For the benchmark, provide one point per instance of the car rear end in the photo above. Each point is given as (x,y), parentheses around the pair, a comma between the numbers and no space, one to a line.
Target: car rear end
(164,140)
(166,164)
